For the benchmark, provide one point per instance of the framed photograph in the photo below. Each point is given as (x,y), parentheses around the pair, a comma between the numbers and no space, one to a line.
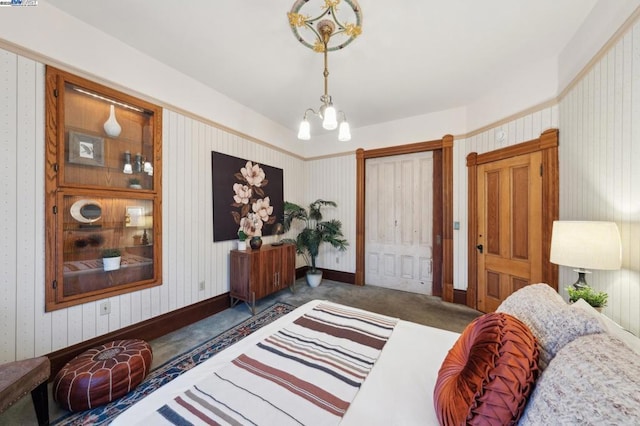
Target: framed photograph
(134,217)
(86,149)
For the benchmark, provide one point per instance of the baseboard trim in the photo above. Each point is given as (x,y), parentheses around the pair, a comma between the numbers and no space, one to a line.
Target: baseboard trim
(329,274)
(460,296)
(145,330)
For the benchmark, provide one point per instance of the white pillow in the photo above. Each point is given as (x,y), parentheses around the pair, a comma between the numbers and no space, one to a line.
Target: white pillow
(610,325)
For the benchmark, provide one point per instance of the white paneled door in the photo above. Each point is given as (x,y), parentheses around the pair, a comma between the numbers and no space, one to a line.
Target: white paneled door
(399,221)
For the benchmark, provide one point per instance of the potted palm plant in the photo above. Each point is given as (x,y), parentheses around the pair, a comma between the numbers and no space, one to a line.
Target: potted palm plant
(313,234)
(111,259)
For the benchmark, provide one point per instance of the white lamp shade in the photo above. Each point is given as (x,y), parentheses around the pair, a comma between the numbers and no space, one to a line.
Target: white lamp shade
(304,133)
(587,245)
(344,132)
(329,121)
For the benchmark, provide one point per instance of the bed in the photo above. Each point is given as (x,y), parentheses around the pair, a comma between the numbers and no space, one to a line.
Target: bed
(536,360)
(394,391)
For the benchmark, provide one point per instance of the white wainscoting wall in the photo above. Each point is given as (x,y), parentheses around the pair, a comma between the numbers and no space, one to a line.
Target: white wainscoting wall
(189,254)
(599,154)
(334,179)
(600,167)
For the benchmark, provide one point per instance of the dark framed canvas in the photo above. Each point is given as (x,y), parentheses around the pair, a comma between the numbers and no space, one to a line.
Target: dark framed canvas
(244,190)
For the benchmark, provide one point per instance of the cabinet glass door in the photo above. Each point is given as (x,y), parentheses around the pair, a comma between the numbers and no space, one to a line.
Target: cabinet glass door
(108,142)
(107,243)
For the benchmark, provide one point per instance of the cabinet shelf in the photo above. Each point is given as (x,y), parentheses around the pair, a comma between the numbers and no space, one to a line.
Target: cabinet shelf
(89,168)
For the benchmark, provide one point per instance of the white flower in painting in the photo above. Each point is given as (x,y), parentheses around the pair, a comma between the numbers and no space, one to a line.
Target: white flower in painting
(253,173)
(263,209)
(251,225)
(243,193)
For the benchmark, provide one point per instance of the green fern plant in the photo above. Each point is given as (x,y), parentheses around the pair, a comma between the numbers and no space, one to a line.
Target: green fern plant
(597,299)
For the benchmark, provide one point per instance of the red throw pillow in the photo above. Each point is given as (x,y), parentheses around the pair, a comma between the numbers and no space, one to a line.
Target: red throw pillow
(488,374)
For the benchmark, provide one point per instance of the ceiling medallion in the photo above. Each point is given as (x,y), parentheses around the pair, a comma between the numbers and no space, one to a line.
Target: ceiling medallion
(346,21)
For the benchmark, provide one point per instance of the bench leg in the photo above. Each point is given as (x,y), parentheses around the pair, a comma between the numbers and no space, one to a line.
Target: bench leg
(41,403)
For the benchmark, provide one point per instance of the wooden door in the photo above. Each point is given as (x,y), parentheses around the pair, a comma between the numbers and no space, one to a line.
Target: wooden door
(399,222)
(510,234)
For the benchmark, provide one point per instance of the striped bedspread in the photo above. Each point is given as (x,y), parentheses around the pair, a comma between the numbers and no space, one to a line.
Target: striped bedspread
(305,374)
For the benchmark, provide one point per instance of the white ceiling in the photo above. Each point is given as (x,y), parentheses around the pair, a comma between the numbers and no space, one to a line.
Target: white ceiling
(413,57)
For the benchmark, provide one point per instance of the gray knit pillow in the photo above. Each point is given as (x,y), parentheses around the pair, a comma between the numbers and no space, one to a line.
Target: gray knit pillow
(549,318)
(594,380)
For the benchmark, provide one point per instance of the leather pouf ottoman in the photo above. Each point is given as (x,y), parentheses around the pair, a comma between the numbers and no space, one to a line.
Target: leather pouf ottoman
(102,374)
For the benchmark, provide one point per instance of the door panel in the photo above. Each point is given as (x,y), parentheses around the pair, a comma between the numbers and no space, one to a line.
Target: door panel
(509,227)
(399,222)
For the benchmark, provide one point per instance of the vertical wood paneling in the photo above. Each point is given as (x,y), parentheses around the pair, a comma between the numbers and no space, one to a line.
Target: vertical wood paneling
(334,179)
(8,198)
(599,153)
(25,274)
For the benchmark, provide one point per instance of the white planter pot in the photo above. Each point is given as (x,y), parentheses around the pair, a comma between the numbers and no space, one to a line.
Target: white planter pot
(313,279)
(242,245)
(111,263)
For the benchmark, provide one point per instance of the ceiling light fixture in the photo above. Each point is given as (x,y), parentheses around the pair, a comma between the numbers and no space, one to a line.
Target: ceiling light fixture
(323,33)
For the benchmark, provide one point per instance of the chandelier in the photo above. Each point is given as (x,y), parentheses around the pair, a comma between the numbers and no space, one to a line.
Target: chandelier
(333,29)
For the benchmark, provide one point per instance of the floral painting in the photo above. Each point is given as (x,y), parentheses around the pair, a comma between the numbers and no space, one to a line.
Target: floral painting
(247,196)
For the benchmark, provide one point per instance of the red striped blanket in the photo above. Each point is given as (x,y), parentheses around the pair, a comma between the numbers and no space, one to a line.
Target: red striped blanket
(306,373)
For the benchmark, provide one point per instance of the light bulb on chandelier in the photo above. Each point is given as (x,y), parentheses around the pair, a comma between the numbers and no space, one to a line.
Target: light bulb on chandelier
(319,31)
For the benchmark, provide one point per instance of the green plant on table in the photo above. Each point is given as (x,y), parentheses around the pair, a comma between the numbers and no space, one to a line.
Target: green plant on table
(597,299)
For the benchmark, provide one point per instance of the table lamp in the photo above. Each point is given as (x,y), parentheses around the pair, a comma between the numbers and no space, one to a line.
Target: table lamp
(586,245)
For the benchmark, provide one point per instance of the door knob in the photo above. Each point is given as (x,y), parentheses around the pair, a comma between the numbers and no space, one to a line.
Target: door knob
(480,248)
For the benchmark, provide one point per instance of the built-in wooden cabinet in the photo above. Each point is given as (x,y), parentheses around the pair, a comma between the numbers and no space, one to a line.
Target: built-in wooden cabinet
(258,273)
(103,191)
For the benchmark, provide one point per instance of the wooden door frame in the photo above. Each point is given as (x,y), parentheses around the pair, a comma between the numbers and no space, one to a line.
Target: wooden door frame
(445,146)
(547,144)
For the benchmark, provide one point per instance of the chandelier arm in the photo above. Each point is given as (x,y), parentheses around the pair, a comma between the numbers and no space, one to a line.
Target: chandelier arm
(310,110)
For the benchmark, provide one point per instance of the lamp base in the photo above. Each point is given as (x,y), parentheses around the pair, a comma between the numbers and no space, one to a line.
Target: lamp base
(582,282)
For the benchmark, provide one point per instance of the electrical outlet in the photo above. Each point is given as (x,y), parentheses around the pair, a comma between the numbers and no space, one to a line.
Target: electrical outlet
(201,285)
(105,308)
(337,259)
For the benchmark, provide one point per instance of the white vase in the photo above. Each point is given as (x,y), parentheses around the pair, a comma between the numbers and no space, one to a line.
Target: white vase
(242,245)
(314,278)
(111,263)
(111,126)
